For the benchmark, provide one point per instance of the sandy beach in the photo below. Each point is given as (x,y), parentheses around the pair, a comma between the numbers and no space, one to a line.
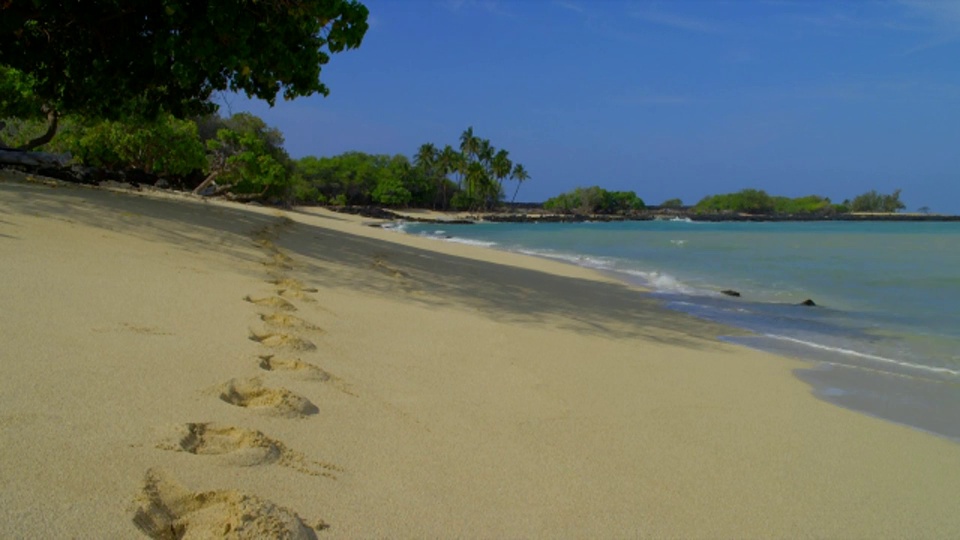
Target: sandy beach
(174,367)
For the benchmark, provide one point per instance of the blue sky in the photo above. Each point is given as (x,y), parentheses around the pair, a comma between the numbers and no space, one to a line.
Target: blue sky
(669,99)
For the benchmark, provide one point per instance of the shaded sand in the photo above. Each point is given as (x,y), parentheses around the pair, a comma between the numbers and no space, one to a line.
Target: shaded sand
(490,395)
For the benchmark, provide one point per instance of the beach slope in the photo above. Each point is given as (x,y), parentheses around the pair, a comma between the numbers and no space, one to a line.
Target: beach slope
(173,366)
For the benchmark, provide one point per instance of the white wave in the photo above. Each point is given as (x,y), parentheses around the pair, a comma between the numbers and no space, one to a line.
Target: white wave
(395,226)
(681,219)
(873,357)
(467,241)
(599,263)
(661,282)
(678,242)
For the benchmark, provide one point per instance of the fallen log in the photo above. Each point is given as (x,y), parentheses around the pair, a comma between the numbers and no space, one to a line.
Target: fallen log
(33,159)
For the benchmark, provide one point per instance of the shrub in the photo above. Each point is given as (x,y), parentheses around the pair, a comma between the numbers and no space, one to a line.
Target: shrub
(672,203)
(872,201)
(747,201)
(595,200)
(391,192)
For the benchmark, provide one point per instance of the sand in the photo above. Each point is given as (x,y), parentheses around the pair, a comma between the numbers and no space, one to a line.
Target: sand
(180,368)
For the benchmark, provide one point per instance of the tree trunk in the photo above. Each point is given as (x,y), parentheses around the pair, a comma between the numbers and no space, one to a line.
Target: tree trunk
(53,117)
(206,182)
(514,199)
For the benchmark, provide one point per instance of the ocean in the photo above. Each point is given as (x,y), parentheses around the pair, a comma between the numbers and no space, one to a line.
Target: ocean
(883,337)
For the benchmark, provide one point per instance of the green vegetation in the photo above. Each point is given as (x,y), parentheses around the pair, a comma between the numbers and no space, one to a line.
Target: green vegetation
(872,201)
(116,60)
(129,86)
(754,201)
(165,146)
(246,157)
(163,61)
(595,200)
(355,178)
(672,203)
(747,201)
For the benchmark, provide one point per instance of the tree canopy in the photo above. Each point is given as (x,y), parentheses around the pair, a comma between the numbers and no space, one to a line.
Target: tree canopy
(107,59)
(595,200)
(872,201)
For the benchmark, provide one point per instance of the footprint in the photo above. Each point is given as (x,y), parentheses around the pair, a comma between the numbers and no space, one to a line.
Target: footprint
(165,510)
(279,260)
(263,240)
(307,371)
(282,340)
(271,301)
(291,284)
(242,447)
(251,394)
(295,293)
(287,321)
(380,264)
(304,370)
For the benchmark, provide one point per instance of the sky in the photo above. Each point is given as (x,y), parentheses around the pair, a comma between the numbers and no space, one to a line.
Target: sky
(670,99)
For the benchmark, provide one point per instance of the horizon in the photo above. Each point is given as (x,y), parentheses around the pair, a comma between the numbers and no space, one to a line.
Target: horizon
(666,99)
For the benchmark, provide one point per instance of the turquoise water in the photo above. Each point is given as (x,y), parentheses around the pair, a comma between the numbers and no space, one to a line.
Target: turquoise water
(887,294)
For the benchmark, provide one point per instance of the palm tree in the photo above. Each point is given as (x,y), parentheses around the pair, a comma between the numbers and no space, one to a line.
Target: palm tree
(500,166)
(427,160)
(520,175)
(426,157)
(485,152)
(469,143)
(479,184)
(451,161)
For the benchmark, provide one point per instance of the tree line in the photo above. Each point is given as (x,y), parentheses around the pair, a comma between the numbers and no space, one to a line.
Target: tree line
(596,200)
(242,156)
(755,201)
(130,85)
(162,63)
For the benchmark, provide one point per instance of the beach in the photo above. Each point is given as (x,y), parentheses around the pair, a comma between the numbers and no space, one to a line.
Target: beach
(176,366)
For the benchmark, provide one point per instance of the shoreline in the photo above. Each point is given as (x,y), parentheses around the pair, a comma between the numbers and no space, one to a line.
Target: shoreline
(924,396)
(455,391)
(536,215)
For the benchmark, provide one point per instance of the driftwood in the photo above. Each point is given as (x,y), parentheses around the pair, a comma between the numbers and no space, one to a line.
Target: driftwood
(33,159)
(207,182)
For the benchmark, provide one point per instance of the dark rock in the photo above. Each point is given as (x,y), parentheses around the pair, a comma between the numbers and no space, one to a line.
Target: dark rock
(808,302)
(730,292)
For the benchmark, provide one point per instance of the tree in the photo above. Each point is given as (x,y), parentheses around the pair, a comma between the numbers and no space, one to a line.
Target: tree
(595,200)
(427,160)
(672,203)
(872,201)
(109,59)
(248,158)
(501,166)
(748,201)
(18,101)
(391,192)
(451,162)
(469,144)
(520,175)
(166,146)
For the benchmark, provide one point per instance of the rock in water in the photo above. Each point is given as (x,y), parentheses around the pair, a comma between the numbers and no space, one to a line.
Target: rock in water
(730,292)
(808,302)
